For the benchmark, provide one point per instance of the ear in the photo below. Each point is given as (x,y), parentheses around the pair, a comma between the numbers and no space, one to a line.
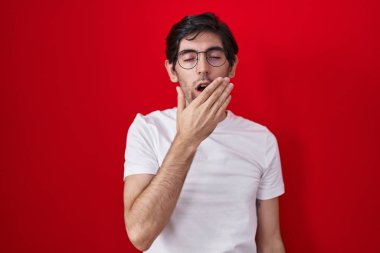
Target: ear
(171,71)
(233,68)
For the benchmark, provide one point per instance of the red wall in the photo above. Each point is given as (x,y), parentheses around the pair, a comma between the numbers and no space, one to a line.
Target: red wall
(75,73)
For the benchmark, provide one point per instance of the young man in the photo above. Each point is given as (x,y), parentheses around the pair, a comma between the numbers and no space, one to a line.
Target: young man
(199,178)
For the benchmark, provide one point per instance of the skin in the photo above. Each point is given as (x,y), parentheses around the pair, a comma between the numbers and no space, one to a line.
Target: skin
(203,70)
(268,234)
(149,200)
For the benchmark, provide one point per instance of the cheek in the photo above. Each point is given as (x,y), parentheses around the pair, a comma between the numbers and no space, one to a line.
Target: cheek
(185,79)
(221,71)
(186,86)
(227,71)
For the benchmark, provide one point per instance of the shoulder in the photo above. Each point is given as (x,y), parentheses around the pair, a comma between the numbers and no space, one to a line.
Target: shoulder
(259,135)
(156,117)
(156,123)
(247,125)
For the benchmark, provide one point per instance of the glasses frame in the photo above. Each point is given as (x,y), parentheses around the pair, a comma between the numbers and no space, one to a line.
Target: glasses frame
(199,52)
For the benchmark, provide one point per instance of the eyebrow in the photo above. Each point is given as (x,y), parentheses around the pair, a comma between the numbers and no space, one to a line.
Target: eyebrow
(193,50)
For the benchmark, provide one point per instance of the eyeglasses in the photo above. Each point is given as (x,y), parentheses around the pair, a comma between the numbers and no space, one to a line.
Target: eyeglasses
(215,56)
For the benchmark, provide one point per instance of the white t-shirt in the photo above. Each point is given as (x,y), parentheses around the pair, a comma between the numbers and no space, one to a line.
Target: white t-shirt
(216,210)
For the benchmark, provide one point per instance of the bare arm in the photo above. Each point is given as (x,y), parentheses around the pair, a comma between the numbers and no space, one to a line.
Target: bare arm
(151,210)
(147,213)
(268,237)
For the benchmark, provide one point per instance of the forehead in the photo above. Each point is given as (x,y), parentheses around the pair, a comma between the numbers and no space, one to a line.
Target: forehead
(202,42)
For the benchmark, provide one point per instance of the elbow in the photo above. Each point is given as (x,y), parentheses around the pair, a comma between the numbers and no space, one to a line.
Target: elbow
(138,238)
(139,242)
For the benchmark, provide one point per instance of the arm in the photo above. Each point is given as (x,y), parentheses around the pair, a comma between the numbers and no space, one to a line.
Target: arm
(148,213)
(150,200)
(268,237)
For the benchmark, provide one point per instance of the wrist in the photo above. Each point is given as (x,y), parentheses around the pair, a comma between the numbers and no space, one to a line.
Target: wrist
(185,141)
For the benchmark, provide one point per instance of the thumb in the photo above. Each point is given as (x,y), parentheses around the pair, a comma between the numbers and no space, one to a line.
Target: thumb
(181,101)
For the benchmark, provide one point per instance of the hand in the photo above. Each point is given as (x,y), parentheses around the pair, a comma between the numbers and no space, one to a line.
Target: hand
(199,119)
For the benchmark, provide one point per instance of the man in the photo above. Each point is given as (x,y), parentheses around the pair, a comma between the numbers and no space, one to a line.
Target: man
(199,178)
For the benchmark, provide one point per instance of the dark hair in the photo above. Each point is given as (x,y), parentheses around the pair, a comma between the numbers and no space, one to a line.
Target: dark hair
(194,25)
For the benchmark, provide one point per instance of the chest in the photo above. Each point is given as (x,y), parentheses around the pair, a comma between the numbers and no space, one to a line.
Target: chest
(226,171)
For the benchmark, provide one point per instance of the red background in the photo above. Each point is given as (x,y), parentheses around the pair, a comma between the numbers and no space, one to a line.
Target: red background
(75,73)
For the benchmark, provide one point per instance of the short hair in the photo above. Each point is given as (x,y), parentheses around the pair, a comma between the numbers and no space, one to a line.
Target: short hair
(194,25)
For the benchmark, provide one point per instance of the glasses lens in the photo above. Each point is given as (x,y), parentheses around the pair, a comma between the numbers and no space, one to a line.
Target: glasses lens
(187,60)
(216,57)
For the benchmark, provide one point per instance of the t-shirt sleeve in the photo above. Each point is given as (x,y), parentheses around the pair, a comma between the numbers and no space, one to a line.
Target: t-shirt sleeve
(140,156)
(271,183)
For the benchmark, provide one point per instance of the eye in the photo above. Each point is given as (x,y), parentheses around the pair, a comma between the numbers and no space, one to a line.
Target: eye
(188,56)
(189,60)
(215,53)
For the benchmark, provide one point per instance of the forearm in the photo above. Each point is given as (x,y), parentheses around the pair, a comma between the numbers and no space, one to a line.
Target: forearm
(152,209)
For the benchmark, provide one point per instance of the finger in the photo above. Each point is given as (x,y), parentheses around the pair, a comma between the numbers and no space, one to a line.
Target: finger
(181,100)
(220,113)
(211,95)
(221,98)
(206,93)
(216,96)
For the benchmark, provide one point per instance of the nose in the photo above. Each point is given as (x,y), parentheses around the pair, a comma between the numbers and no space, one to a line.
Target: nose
(203,66)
